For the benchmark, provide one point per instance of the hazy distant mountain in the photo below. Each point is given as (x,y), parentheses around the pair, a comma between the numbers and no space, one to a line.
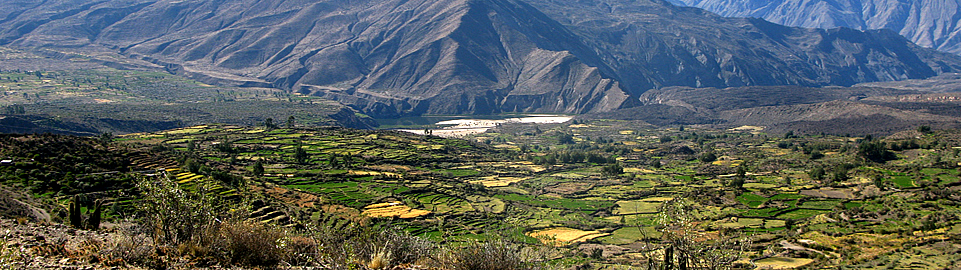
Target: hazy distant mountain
(929,23)
(401,57)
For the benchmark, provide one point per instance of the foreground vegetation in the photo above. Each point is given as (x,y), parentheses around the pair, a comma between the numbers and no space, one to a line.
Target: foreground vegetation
(591,193)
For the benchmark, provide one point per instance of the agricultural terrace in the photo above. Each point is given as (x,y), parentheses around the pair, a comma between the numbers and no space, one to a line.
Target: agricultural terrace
(608,192)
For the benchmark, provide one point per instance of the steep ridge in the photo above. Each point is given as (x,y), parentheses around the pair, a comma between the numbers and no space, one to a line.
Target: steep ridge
(386,58)
(929,23)
(392,58)
(655,44)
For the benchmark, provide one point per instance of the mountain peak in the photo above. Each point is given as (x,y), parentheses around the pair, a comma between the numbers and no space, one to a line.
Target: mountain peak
(395,57)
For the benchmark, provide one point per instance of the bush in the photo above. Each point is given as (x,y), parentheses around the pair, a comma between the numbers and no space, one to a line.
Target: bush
(252,243)
(875,151)
(491,255)
(389,247)
(132,246)
(612,170)
(817,173)
(174,215)
(708,157)
(361,246)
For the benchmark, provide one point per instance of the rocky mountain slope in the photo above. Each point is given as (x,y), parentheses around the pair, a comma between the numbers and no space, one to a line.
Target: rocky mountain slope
(779,109)
(391,58)
(929,23)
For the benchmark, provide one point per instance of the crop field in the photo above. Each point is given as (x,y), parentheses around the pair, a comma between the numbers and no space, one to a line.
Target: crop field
(632,191)
(79,96)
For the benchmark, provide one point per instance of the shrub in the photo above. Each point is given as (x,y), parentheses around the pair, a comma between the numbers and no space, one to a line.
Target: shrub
(361,246)
(708,157)
(253,243)
(490,255)
(132,246)
(612,170)
(301,251)
(875,151)
(817,173)
(389,247)
(174,215)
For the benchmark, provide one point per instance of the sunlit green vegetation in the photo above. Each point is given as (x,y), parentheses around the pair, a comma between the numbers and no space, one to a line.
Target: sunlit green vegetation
(764,187)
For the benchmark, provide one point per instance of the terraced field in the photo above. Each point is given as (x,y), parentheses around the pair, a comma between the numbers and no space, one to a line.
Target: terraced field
(766,188)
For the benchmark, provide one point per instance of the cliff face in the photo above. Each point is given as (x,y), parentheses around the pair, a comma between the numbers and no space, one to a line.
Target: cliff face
(396,57)
(929,23)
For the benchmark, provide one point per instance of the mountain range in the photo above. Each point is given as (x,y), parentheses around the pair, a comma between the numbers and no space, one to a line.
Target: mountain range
(410,57)
(929,23)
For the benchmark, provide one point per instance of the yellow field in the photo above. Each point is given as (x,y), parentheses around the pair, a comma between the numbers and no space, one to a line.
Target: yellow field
(561,236)
(728,162)
(494,181)
(782,263)
(393,209)
(524,165)
(638,170)
(658,199)
(370,173)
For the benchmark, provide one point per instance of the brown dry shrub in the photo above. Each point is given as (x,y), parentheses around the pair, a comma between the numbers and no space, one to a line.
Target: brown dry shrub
(368,247)
(490,255)
(131,247)
(301,251)
(253,243)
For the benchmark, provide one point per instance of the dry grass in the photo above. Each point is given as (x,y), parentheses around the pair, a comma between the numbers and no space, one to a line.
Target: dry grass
(496,181)
(393,209)
(561,236)
(782,263)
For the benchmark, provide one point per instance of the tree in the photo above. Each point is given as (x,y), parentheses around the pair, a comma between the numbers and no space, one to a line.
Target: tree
(300,155)
(258,169)
(875,151)
(708,157)
(924,129)
(290,121)
(105,139)
(269,123)
(840,174)
(565,138)
(15,109)
(739,178)
(612,170)
(224,147)
(685,245)
(817,173)
(815,154)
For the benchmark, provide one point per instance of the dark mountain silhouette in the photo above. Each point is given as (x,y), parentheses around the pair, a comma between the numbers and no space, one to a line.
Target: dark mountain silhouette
(400,57)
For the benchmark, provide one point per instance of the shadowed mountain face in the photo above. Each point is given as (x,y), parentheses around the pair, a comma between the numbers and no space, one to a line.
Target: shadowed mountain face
(929,23)
(397,57)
